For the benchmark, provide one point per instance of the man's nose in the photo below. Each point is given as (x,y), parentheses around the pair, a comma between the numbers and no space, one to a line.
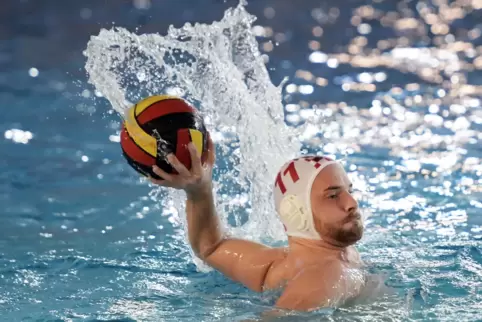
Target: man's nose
(350,205)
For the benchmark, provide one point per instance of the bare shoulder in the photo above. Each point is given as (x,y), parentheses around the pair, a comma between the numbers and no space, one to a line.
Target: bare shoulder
(252,264)
(279,272)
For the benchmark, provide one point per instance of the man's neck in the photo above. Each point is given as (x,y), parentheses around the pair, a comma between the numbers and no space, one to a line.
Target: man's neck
(304,246)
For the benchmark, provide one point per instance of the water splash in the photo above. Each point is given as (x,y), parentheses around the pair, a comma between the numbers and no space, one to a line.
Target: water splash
(219,69)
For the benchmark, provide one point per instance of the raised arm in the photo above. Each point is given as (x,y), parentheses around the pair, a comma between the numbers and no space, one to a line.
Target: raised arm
(243,261)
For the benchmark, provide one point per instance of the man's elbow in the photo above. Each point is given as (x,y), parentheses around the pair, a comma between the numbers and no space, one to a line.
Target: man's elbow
(205,251)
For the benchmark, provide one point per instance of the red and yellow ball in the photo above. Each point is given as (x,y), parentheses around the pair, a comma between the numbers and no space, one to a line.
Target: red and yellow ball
(159,125)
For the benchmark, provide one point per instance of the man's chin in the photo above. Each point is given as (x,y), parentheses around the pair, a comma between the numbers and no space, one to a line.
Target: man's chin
(351,236)
(352,240)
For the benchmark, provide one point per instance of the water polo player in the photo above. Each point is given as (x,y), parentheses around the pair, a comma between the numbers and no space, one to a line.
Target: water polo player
(319,268)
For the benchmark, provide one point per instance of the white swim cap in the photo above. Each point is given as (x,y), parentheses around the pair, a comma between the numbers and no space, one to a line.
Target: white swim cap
(292,194)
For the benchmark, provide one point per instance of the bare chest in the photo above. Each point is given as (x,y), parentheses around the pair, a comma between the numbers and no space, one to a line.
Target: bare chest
(333,281)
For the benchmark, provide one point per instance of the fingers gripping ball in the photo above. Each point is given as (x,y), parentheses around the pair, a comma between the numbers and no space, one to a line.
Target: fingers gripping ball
(157,126)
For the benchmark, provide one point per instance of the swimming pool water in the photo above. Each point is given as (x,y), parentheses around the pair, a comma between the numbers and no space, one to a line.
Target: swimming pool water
(82,239)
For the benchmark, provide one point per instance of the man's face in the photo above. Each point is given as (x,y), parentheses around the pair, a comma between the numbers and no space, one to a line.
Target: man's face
(335,211)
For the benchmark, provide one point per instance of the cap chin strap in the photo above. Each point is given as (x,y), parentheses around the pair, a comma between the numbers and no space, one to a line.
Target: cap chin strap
(297,219)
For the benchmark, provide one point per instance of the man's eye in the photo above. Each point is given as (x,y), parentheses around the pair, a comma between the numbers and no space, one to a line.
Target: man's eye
(333,196)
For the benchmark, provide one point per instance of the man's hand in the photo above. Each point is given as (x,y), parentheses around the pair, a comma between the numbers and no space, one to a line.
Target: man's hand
(192,181)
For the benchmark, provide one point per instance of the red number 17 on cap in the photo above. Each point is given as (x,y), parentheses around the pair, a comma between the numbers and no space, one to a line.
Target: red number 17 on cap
(291,170)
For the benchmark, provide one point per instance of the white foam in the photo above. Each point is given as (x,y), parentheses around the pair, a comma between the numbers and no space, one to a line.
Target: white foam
(219,68)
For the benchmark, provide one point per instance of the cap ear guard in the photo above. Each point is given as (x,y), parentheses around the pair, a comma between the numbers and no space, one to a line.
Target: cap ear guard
(293,214)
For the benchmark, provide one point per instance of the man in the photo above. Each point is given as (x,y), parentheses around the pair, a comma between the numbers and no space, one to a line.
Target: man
(313,197)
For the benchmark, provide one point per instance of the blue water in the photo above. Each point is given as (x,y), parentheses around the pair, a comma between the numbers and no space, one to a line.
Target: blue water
(83,239)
